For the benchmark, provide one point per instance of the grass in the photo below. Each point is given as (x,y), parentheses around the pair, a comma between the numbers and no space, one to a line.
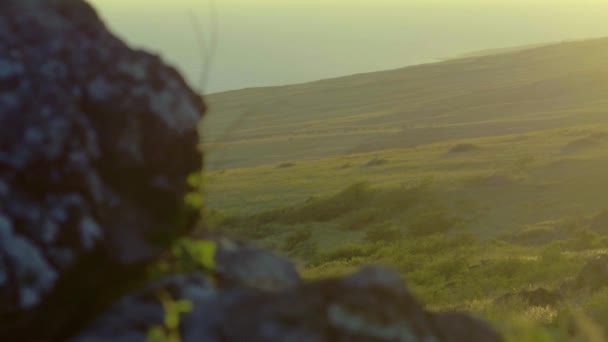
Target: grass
(552,86)
(481,180)
(513,217)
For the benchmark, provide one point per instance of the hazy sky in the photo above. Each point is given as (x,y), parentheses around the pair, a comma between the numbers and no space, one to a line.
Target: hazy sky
(275,42)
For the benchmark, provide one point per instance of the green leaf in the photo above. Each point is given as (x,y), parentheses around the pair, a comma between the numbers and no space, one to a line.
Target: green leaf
(156,334)
(206,250)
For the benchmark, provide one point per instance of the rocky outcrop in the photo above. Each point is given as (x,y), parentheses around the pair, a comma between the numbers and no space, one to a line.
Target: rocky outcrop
(371,305)
(97,141)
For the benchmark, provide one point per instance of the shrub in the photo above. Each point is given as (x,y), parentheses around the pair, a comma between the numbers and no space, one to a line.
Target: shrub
(254,232)
(285,165)
(344,253)
(360,219)
(539,233)
(383,233)
(599,222)
(352,198)
(432,221)
(376,162)
(523,163)
(462,148)
(403,197)
(583,239)
(552,253)
(579,144)
(296,239)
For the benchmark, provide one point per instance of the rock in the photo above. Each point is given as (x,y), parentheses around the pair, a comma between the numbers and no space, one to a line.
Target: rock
(594,274)
(132,318)
(372,305)
(242,264)
(97,141)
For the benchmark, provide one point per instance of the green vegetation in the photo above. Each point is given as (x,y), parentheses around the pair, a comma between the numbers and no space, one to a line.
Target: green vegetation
(169,331)
(514,91)
(477,231)
(485,187)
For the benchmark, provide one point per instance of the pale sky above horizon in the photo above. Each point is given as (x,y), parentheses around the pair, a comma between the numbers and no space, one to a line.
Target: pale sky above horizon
(275,42)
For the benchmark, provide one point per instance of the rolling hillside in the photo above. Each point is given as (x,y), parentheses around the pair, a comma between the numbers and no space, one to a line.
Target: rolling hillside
(517,91)
(481,179)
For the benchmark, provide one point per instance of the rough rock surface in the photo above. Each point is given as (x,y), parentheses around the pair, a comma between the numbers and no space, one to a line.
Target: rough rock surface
(371,305)
(97,140)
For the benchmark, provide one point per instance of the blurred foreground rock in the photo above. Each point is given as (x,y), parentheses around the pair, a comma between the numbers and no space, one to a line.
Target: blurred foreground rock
(371,305)
(97,141)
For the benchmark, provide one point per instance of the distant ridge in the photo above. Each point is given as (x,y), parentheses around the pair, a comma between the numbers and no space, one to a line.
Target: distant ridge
(491,92)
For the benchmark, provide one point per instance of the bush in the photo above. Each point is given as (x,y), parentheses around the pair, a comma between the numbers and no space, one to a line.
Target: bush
(583,239)
(285,165)
(383,233)
(254,232)
(296,239)
(354,197)
(540,233)
(403,197)
(360,219)
(462,148)
(599,223)
(376,162)
(579,144)
(433,221)
(344,253)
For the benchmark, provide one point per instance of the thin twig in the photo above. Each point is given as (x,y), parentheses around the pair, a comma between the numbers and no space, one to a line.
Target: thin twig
(207,47)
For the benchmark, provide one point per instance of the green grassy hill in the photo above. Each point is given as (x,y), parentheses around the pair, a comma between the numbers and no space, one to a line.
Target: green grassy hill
(512,92)
(481,179)
(468,222)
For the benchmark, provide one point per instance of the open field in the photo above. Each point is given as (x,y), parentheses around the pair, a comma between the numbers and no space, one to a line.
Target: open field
(482,180)
(467,221)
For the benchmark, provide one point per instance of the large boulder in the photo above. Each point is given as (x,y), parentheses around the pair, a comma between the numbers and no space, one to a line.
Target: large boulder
(97,141)
(371,305)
